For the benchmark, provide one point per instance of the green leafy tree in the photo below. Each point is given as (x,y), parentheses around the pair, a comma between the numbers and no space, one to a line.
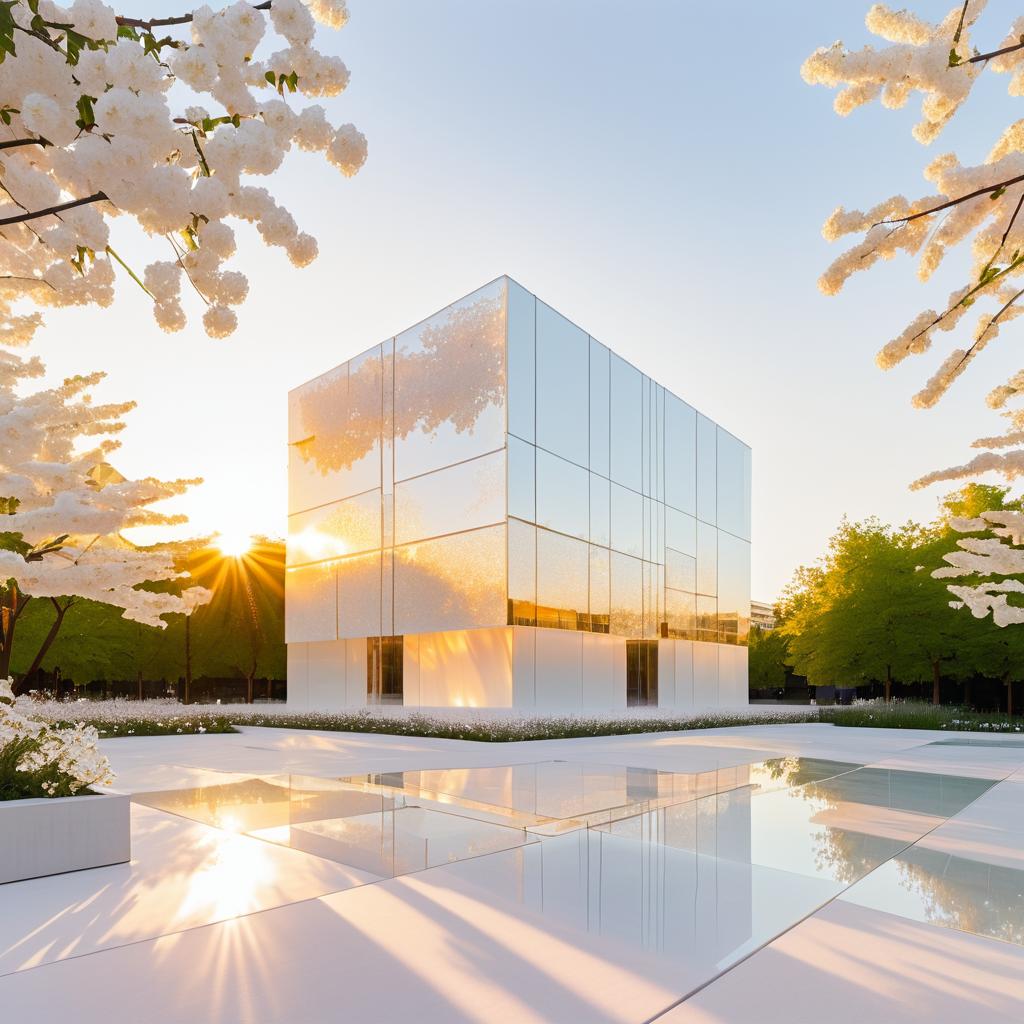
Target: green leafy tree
(768,658)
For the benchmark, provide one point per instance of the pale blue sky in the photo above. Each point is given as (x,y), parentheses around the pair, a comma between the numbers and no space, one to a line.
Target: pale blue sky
(658,172)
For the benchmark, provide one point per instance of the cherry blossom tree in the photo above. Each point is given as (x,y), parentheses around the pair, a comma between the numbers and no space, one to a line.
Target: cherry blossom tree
(164,121)
(976,206)
(64,508)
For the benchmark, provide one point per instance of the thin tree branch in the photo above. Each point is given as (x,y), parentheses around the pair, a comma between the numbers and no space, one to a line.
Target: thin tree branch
(182,19)
(988,189)
(14,143)
(995,53)
(96,197)
(1006,234)
(992,322)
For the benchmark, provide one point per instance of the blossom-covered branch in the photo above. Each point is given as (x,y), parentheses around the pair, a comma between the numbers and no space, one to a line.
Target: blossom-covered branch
(86,104)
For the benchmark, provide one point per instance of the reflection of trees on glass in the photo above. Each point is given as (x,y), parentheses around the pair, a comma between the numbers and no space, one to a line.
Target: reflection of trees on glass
(449,369)
(985,899)
(451,582)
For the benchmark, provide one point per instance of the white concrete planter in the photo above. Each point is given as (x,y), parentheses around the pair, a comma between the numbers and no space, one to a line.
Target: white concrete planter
(49,836)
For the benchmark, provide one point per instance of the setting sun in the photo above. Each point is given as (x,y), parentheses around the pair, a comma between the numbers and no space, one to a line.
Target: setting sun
(233,544)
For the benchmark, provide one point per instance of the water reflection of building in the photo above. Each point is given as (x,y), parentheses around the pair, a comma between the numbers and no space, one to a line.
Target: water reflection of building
(494,509)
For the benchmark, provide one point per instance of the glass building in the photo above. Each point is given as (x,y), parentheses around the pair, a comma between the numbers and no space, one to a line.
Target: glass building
(494,509)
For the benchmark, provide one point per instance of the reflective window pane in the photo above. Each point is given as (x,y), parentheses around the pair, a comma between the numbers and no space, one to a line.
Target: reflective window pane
(359,596)
(361,442)
(522,369)
(450,385)
(707,459)
(707,559)
(652,604)
(680,570)
(733,472)
(562,581)
(311,603)
(627,525)
(563,388)
(599,407)
(681,615)
(600,594)
(680,455)
(522,574)
(455,582)
(627,601)
(341,528)
(680,531)
(451,500)
(600,510)
(563,495)
(521,480)
(626,423)
(334,450)
(733,588)
(707,618)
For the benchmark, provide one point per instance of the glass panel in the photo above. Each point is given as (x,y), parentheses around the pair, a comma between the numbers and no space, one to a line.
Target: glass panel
(361,443)
(341,528)
(521,480)
(522,371)
(387,592)
(455,582)
(733,588)
(562,581)
(310,605)
(334,431)
(707,559)
(600,595)
(599,408)
(627,595)
(627,521)
(384,662)
(680,531)
(450,385)
(646,435)
(680,570)
(451,500)
(651,603)
(681,615)
(563,389)
(522,574)
(359,596)
(680,454)
(706,462)
(626,423)
(600,511)
(707,618)
(563,497)
(733,485)
(658,471)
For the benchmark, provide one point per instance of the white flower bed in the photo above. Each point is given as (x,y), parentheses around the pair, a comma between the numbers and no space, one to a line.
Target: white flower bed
(37,759)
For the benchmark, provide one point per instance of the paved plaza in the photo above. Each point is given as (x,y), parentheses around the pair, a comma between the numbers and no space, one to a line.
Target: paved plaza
(763,873)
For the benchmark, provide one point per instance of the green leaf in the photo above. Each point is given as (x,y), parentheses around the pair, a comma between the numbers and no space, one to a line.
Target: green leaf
(954,59)
(998,192)
(86,119)
(8,506)
(271,77)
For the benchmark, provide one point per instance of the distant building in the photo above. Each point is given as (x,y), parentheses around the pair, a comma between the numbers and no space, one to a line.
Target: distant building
(762,615)
(493,509)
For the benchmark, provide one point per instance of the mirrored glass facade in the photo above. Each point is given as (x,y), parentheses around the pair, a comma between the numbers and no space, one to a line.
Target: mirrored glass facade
(494,468)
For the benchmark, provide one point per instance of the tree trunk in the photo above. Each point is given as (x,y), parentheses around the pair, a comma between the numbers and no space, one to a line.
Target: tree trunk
(249,689)
(47,642)
(188,660)
(967,693)
(138,684)
(1009,697)
(9,612)
(888,683)
(936,679)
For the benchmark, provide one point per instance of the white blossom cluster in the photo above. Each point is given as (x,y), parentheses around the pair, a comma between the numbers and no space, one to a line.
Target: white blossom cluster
(64,761)
(63,488)
(977,206)
(994,559)
(935,61)
(102,122)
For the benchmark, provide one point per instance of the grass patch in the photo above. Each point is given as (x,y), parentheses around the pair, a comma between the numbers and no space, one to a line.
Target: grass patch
(918,715)
(175,726)
(512,730)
